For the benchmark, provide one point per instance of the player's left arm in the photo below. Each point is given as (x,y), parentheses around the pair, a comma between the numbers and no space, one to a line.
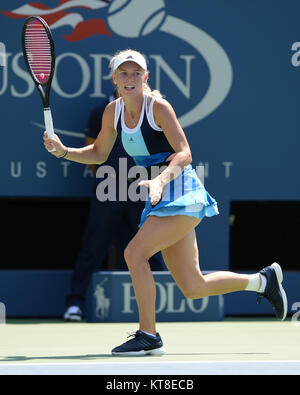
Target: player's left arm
(166,119)
(88,141)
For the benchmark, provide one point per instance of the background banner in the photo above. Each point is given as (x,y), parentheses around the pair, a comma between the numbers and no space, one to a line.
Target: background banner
(229,68)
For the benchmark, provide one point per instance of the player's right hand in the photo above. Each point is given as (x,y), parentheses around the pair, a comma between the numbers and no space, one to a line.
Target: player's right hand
(49,143)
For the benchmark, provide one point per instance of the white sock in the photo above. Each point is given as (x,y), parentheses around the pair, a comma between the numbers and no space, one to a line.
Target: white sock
(263,283)
(149,334)
(254,283)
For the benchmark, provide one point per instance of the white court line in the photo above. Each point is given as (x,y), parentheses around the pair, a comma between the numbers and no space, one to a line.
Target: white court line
(274,367)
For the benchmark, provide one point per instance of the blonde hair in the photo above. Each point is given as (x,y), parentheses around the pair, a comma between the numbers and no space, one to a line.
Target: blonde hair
(146,88)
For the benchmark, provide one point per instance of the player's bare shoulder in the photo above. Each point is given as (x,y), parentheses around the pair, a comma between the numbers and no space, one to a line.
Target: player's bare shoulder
(110,107)
(109,114)
(162,110)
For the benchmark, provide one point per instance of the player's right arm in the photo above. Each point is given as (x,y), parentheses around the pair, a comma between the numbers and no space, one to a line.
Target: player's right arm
(96,153)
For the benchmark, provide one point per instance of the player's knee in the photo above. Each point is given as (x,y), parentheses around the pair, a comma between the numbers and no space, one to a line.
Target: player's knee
(127,254)
(194,291)
(133,254)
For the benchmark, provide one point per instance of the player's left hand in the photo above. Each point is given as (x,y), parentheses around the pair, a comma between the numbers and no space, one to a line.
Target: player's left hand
(155,188)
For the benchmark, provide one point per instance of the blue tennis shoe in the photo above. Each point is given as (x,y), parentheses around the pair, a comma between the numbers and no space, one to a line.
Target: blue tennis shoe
(141,344)
(274,291)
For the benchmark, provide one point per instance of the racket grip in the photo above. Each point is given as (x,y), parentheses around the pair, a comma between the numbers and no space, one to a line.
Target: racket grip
(49,125)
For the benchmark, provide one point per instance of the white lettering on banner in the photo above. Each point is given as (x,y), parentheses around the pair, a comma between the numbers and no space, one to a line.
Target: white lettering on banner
(98,75)
(87,172)
(4,78)
(128,296)
(227,168)
(41,169)
(170,306)
(202,171)
(161,297)
(93,71)
(2,55)
(160,63)
(16,169)
(23,75)
(205,167)
(165,300)
(65,166)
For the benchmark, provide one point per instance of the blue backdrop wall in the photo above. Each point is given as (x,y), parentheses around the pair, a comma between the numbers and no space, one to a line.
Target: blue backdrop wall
(230,69)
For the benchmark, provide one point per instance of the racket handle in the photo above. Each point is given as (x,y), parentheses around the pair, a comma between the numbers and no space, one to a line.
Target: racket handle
(49,125)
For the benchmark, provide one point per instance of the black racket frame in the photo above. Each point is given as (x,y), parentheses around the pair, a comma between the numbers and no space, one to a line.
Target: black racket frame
(44,94)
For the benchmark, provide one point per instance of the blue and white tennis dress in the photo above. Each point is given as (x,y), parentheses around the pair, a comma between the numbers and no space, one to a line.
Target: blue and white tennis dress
(148,146)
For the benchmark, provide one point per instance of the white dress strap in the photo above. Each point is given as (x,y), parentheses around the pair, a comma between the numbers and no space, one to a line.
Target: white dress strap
(150,116)
(117,112)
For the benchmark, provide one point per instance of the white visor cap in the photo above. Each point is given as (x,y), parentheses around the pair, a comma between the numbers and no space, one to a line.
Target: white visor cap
(130,57)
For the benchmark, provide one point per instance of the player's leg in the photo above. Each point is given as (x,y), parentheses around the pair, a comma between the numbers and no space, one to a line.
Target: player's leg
(133,214)
(156,234)
(175,236)
(182,260)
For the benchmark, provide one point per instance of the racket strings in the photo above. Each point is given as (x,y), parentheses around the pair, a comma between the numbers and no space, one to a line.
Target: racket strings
(38,50)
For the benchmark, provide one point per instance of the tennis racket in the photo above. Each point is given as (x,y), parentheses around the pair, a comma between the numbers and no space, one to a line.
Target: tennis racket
(39,55)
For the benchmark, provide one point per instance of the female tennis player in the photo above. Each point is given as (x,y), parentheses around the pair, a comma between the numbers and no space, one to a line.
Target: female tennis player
(176,203)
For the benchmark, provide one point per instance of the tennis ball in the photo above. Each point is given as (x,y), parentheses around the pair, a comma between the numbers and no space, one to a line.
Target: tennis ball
(135,18)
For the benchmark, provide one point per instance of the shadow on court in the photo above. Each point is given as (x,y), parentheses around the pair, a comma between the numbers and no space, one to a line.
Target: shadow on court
(91,357)
(88,357)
